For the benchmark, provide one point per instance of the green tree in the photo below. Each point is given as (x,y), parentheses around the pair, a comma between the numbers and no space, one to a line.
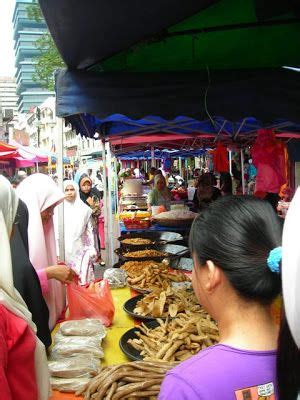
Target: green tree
(49,58)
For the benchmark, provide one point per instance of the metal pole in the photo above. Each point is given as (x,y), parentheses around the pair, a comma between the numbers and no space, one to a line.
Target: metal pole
(116,184)
(105,198)
(180,166)
(152,157)
(230,162)
(109,206)
(242,171)
(60,172)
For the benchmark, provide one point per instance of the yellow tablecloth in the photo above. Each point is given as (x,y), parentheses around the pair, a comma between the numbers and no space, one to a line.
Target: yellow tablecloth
(113,355)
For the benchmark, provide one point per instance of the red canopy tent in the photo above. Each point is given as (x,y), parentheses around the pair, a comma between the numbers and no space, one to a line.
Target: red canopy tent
(7,151)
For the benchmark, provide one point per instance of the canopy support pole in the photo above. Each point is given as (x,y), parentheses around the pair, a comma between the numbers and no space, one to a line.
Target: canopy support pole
(116,185)
(106,245)
(37,167)
(230,162)
(152,157)
(110,249)
(60,173)
(242,170)
(180,166)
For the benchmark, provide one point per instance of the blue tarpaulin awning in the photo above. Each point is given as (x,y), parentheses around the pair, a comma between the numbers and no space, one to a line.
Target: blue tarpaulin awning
(230,103)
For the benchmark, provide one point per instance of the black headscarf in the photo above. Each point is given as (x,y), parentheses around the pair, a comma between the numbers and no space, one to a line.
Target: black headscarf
(26,280)
(91,193)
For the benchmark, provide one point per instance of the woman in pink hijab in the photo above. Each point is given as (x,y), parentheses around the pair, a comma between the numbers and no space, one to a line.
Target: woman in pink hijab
(41,196)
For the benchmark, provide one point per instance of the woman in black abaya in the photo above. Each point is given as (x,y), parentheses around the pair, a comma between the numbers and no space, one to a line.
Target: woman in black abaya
(26,280)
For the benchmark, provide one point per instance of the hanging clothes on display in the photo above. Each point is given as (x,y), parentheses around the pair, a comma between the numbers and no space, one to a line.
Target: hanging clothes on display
(220,159)
(269,157)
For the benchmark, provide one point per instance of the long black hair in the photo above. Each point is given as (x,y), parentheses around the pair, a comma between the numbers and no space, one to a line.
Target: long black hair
(237,233)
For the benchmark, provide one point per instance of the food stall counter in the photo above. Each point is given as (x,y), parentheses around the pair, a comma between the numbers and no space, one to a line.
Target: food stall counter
(112,352)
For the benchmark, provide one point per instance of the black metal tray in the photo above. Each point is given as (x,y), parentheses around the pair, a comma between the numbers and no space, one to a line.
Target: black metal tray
(157,238)
(130,305)
(172,251)
(128,350)
(182,264)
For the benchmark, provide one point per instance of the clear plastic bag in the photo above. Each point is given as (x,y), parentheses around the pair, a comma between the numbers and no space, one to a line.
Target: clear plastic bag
(83,327)
(116,277)
(75,367)
(61,350)
(78,340)
(68,385)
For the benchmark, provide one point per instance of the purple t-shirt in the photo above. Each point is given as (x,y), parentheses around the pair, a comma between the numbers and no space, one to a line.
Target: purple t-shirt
(223,373)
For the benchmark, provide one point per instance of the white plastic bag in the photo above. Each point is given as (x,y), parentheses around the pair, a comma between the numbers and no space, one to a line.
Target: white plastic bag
(62,349)
(75,367)
(83,327)
(68,385)
(117,278)
(90,340)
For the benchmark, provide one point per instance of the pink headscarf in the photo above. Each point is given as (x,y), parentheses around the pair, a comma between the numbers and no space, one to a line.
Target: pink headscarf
(40,192)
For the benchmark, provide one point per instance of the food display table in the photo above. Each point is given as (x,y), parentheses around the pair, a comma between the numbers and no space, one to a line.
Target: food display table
(113,354)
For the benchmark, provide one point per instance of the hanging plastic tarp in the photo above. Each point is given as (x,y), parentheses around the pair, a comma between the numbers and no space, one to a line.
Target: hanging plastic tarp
(178,102)
(169,35)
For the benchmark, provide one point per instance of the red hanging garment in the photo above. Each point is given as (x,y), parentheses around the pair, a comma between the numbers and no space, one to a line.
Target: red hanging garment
(220,159)
(269,158)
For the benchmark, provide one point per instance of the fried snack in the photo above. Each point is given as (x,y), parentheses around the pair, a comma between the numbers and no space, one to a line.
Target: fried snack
(135,267)
(152,276)
(137,241)
(177,339)
(169,302)
(145,253)
(137,379)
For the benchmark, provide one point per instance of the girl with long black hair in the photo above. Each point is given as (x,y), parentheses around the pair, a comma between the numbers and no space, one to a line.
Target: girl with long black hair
(235,245)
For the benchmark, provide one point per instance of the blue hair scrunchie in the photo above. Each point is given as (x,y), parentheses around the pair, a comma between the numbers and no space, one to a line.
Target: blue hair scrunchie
(274,259)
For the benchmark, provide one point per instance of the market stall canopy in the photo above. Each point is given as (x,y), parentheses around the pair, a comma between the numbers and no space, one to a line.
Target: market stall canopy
(171,35)
(230,34)
(86,32)
(230,102)
(30,153)
(159,154)
(7,151)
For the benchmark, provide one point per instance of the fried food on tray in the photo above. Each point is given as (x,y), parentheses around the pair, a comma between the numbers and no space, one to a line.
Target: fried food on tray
(136,241)
(145,253)
(135,267)
(131,380)
(169,302)
(152,275)
(176,339)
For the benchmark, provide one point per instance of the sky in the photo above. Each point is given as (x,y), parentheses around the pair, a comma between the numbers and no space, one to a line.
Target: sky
(7,57)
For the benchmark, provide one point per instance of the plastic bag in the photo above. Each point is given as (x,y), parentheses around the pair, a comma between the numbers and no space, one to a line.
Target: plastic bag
(75,367)
(59,337)
(80,340)
(117,278)
(68,385)
(61,350)
(82,327)
(93,302)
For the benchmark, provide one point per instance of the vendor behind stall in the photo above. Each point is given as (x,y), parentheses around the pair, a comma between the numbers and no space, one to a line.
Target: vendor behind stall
(160,195)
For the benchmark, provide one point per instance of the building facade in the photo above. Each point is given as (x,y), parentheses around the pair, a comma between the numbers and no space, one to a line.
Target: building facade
(26,32)
(40,123)
(8,106)
(8,97)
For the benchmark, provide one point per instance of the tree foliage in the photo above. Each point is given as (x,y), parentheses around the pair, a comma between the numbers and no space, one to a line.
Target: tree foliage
(48,59)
